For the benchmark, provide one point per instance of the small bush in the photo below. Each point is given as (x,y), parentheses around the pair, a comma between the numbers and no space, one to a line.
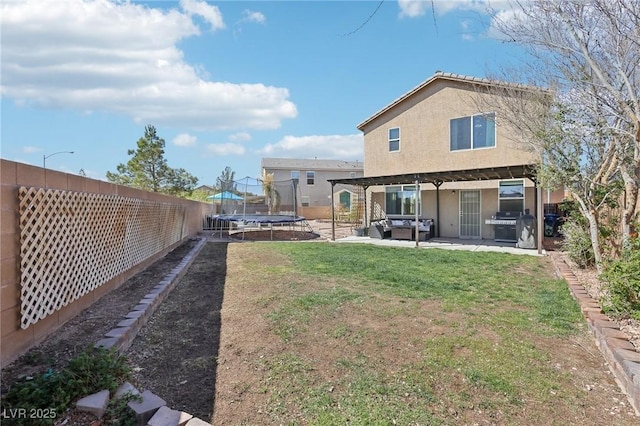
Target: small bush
(118,412)
(52,392)
(577,242)
(622,278)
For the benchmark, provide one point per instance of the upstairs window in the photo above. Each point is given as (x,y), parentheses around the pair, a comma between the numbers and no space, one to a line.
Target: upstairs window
(311,178)
(473,132)
(295,175)
(394,139)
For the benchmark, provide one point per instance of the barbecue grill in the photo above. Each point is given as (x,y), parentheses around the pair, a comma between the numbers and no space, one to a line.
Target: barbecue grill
(505,226)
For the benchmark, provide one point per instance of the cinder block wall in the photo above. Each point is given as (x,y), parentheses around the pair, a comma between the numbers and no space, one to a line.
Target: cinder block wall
(14,341)
(315,212)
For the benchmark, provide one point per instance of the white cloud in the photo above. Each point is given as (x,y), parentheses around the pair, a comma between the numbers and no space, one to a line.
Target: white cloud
(122,57)
(487,10)
(184,139)
(328,147)
(466,27)
(413,8)
(30,149)
(251,16)
(211,14)
(504,17)
(226,149)
(92,174)
(417,8)
(240,137)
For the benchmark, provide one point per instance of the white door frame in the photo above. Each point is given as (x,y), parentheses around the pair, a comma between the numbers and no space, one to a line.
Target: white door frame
(470,215)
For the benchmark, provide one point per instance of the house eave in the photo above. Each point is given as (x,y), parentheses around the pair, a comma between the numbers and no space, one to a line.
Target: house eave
(437,178)
(445,76)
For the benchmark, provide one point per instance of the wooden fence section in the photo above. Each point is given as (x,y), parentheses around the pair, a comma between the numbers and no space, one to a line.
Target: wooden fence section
(67,240)
(73,242)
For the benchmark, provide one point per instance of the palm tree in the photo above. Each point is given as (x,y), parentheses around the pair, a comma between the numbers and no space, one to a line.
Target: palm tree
(270,192)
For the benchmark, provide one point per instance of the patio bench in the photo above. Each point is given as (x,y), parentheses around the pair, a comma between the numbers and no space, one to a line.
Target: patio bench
(380,230)
(402,228)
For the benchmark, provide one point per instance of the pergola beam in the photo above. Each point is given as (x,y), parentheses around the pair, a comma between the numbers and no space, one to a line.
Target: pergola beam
(438,178)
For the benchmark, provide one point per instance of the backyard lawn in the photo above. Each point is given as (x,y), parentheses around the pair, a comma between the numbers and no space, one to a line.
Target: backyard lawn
(334,334)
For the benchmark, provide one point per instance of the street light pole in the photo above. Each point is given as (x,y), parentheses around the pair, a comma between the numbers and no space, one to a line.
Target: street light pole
(44,157)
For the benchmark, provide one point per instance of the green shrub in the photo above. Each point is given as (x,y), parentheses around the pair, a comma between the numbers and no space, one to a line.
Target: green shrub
(622,278)
(577,242)
(52,392)
(118,412)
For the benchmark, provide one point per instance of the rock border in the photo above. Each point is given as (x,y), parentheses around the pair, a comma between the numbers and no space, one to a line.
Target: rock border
(151,409)
(614,345)
(621,356)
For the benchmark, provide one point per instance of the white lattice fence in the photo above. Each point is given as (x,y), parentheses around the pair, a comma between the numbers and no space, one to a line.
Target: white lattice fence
(73,242)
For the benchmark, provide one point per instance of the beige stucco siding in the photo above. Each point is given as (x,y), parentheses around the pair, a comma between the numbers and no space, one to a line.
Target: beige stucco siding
(449,202)
(318,193)
(424,120)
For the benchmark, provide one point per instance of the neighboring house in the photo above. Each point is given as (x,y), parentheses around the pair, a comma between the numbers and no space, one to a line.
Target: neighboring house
(467,163)
(312,189)
(205,188)
(203,191)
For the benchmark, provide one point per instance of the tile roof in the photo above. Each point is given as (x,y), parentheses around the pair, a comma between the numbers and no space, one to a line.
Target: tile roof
(311,164)
(439,75)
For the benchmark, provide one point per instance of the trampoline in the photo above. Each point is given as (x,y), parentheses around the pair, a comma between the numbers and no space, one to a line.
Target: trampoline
(241,223)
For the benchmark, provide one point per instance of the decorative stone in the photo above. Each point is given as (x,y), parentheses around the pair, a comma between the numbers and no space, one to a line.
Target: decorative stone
(147,407)
(95,404)
(125,388)
(168,417)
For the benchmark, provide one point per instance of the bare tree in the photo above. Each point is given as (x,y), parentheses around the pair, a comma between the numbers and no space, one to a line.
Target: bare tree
(586,123)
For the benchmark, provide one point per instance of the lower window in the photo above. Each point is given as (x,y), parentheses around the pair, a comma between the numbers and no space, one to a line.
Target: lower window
(400,200)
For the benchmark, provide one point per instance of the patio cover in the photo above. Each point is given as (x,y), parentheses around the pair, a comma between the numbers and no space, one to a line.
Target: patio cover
(438,178)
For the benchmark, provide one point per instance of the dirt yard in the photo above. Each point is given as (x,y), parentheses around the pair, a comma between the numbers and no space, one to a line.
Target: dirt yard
(155,340)
(179,356)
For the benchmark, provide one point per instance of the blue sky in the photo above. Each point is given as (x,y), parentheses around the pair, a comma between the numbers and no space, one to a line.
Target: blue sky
(225,83)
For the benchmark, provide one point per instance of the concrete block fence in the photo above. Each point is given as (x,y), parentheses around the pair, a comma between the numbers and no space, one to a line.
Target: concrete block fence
(15,340)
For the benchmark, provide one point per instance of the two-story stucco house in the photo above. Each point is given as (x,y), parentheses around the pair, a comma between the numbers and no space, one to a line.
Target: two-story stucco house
(312,189)
(438,149)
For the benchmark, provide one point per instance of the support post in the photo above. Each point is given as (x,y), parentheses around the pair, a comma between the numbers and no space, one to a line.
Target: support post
(437,185)
(540,218)
(367,218)
(417,209)
(333,214)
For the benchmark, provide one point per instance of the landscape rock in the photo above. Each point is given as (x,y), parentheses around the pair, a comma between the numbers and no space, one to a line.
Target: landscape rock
(147,407)
(95,404)
(165,416)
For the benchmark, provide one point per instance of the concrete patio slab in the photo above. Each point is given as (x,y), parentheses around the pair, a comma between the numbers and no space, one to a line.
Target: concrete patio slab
(446,244)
